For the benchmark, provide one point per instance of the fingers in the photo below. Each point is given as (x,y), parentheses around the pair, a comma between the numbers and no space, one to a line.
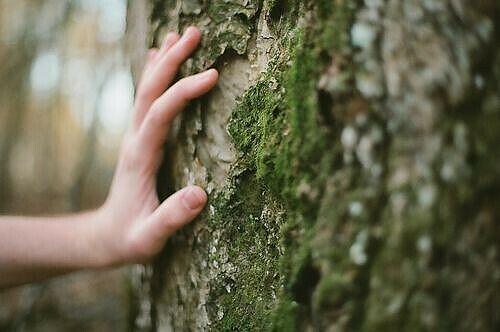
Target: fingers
(150,59)
(174,51)
(175,212)
(153,54)
(143,101)
(154,128)
(169,41)
(170,60)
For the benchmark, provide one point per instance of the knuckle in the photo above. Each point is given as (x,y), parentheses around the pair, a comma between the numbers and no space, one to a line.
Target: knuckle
(154,119)
(144,92)
(170,37)
(146,87)
(155,110)
(173,59)
(180,90)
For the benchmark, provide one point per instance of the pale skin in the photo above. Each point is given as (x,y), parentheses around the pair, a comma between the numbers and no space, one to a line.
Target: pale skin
(132,225)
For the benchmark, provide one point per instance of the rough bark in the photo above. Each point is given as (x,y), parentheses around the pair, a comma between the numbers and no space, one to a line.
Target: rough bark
(350,152)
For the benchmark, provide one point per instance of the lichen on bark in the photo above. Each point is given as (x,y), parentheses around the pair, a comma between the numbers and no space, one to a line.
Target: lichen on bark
(349,153)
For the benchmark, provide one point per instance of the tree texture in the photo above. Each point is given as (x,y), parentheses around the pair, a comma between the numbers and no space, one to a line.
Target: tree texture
(350,152)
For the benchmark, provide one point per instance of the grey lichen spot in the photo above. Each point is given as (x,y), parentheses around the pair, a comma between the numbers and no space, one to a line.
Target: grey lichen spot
(448,172)
(479,82)
(364,151)
(369,85)
(362,35)
(424,244)
(357,252)
(349,138)
(395,304)
(427,196)
(220,314)
(355,209)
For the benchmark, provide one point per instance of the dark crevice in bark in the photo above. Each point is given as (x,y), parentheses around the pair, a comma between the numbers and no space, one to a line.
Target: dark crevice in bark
(228,55)
(306,282)
(277,10)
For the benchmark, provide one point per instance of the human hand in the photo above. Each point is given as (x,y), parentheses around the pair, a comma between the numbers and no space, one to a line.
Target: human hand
(133,226)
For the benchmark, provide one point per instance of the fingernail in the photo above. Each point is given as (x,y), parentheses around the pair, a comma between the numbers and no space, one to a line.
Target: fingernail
(190,30)
(166,39)
(194,198)
(208,73)
(205,74)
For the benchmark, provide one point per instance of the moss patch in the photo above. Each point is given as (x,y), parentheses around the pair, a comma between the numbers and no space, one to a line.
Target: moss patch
(286,150)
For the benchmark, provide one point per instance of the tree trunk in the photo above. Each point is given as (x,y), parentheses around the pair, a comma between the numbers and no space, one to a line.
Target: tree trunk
(350,151)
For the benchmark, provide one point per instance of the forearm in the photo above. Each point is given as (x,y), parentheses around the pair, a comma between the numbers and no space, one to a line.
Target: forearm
(33,249)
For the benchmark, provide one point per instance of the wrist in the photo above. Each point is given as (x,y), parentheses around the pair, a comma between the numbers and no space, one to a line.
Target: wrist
(102,253)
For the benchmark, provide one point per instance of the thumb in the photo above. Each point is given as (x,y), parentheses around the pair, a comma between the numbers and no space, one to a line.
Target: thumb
(175,212)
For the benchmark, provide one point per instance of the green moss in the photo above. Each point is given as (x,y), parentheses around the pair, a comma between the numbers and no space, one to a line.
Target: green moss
(245,294)
(282,137)
(284,318)
(257,127)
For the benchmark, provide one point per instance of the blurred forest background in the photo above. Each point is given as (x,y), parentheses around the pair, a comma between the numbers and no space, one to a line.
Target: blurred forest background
(65,97)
